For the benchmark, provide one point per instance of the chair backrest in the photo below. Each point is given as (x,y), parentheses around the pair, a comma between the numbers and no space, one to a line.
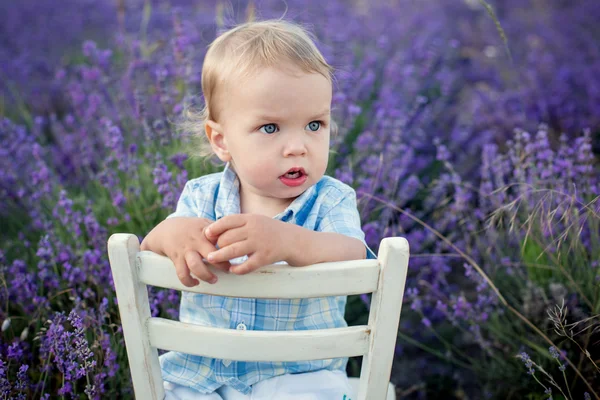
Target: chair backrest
(385,277)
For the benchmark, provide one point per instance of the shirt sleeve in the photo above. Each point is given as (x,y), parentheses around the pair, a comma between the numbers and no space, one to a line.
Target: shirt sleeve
(187,205)
(343,218)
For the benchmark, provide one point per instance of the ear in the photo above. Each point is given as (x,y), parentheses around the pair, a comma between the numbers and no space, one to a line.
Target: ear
(214,134)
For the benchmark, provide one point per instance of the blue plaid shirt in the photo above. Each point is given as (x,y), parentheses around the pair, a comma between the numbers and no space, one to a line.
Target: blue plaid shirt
(327,206)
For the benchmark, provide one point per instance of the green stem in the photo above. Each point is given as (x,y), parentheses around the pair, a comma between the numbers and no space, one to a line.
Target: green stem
(499,28)
(566,383)
(538,381)
(43,380)
(432,351)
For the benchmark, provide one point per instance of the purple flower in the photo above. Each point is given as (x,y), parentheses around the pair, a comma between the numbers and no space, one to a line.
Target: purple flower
(554,352)
(22,378)
(5,386)
(461,308)
(15,351)
(527,361)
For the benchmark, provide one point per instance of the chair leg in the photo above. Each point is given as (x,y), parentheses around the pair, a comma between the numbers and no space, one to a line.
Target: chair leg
(391,393)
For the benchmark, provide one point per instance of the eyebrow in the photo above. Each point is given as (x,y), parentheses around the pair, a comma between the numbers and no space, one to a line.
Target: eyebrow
(271,118)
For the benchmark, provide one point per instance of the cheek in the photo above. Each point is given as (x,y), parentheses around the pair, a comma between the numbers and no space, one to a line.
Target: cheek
(323,161)
(260,165)
(321,150)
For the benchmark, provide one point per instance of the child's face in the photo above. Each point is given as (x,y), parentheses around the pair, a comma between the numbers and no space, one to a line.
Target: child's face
(275,121)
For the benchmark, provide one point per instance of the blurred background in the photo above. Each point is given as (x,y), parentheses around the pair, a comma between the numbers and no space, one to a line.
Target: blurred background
(470,127)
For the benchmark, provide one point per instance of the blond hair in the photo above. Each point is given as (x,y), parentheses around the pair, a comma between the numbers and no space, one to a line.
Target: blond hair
(242,51)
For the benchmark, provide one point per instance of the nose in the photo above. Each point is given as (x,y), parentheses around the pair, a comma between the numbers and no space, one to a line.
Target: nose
(295,145)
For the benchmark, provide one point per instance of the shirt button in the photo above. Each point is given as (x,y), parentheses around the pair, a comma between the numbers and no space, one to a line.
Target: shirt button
(241,327)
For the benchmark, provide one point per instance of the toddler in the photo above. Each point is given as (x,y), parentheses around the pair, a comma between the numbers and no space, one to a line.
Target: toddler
(268,92)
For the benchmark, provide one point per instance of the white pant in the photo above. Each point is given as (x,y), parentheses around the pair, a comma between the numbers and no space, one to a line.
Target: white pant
(318,385)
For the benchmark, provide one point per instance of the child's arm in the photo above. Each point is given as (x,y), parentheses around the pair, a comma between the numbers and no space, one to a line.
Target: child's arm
(266,241)
(311,247)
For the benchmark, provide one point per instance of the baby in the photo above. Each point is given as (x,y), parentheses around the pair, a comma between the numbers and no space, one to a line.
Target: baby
(268,92)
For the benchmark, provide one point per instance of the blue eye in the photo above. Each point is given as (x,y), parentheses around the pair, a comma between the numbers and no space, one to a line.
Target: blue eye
(268,128)
(314,126)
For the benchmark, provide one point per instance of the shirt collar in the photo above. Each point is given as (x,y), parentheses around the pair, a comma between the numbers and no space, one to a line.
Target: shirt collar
(228,199)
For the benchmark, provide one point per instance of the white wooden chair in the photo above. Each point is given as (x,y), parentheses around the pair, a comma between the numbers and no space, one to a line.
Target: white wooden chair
(385,278)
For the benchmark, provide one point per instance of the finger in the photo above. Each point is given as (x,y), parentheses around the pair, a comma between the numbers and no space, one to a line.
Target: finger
(230,252)
(229,222)
(198,268)
(207,248)
(232,236)
(211,239)
(183,273)
(222,266)
(251,264)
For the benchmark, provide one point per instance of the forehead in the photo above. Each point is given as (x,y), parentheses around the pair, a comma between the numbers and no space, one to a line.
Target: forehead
(279,91)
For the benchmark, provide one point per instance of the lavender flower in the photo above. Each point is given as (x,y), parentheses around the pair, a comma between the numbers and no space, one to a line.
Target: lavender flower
(5,386)
(554,352)
(527,361)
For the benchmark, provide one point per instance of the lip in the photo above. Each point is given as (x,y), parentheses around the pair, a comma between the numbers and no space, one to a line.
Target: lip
(294,169)
(294,182)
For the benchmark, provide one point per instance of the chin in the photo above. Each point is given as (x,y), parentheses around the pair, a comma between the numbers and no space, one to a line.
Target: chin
(294,192)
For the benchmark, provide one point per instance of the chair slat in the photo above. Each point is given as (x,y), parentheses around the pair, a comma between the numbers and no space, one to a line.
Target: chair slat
(231,344)
(272,281)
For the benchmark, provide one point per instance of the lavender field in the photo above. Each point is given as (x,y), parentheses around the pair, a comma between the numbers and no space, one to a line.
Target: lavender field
(470,128)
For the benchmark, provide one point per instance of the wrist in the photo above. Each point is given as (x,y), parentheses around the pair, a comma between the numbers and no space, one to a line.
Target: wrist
(148,242)
(288,242)
(296,244)
(153,241)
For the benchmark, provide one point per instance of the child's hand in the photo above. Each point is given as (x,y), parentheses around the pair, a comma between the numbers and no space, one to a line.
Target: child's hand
(262,239)
(182,239)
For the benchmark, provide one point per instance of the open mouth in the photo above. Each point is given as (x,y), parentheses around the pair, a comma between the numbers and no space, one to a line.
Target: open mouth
(294,177)
(294,173)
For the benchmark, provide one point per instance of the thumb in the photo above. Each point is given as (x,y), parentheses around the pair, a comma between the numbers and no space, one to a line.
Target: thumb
(211,238)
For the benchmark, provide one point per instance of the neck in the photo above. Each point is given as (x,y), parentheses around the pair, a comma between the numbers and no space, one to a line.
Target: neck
(251,203)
